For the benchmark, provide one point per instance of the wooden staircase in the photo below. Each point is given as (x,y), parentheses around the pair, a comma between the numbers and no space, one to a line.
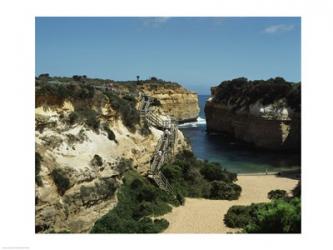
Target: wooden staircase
(165,145)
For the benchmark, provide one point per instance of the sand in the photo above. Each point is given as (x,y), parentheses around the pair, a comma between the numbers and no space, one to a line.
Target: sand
(206,216)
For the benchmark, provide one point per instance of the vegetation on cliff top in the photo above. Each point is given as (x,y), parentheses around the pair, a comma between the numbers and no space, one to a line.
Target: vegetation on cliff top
(242,92)
(282,215)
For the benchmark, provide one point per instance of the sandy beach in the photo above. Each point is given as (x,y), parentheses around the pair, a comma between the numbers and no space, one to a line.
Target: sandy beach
(206,216)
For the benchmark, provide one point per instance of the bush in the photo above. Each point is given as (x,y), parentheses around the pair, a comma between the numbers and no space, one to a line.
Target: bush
(224,191)
(194,178)
(126,107)
(38,159)
(279,216)
(277,194)
(97,161)
(73,118)
(87,116)
(238,216)
(297,190)
(138,199)
(214,172)
(111,135)
(60,180)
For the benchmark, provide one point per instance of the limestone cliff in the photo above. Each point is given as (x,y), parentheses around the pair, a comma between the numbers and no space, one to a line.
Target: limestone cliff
(79,165)
(259,113)
(175,100)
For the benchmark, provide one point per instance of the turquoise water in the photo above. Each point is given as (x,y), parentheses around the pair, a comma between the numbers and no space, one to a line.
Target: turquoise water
(233,155)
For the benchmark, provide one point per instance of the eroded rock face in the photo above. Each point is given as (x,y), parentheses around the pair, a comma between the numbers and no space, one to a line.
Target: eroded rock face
(176,101)
(76,189)
(264,126)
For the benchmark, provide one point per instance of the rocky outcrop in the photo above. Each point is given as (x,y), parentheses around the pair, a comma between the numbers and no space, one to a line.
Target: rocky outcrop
(274,125)
(80,167)
(175,100)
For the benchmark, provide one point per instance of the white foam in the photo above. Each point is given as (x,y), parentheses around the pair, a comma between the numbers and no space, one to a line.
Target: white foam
(199,121)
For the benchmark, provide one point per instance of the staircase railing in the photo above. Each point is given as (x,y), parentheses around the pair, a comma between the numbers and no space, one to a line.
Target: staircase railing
(164,145)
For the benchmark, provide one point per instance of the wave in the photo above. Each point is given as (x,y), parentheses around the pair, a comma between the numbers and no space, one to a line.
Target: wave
(199,122)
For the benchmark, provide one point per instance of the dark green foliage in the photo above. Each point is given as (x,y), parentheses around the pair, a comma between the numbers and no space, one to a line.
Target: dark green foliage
(63,91)
(111,135)
(126,108)
(181,199)
(277,194)
(155,102)
(87,116)
(224,191)
(186,177)
(124,164)
(238,216)
(137,200)
(103,189)
(214,172)
(61,180)
(73,118)
(278,216)
(97,161)
(38,159)
(297,190)
(242,92)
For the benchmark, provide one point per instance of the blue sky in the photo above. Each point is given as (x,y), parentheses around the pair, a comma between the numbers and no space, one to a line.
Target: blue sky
(197,52)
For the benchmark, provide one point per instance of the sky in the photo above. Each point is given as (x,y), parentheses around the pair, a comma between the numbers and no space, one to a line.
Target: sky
(197,52)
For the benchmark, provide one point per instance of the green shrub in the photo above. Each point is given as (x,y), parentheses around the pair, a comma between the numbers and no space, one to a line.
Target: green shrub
(297,190)
(224,191)
(214,172)
(38,159)
(73,118)
(195,178)
(87,116)
(97,161)
(238,216)
(277,194)
(279,216)
(111,135)
(138,199)
(61,181)
(126,107)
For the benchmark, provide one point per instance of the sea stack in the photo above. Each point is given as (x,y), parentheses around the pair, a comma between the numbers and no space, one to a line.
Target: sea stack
(266,114)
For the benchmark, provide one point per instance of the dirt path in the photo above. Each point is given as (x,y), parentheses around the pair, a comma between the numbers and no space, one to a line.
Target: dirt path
(206,216)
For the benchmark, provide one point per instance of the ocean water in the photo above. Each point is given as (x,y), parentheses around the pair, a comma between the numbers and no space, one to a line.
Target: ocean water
(233,155)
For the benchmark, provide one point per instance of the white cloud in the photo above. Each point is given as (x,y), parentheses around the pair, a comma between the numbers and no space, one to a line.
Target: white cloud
(155,21)
(278,28)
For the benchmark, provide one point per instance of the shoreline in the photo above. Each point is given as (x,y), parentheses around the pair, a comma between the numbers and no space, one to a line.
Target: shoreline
(200,215)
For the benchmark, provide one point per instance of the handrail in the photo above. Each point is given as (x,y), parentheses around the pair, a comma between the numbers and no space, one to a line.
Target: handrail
(164,145)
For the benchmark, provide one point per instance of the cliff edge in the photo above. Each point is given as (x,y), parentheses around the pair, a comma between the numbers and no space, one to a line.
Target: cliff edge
(86,138)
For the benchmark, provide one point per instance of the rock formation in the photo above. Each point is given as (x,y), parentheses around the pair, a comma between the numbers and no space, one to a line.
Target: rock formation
(79,166)
(259,113)
(175,100)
